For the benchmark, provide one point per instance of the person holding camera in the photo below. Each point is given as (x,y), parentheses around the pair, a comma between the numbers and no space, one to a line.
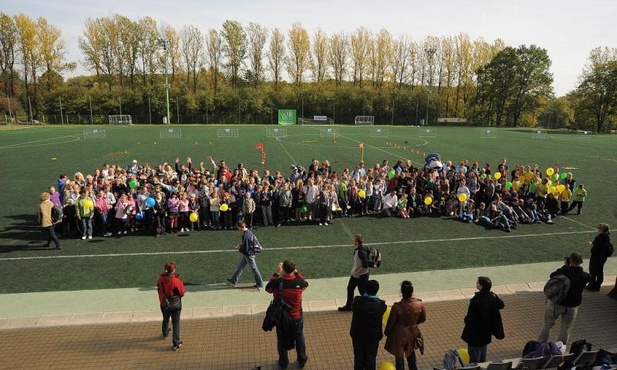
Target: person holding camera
(600,251)
(294,285)
(568,308)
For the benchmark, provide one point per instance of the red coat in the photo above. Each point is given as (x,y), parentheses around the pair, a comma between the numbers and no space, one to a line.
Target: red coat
(169,285)
(293,287)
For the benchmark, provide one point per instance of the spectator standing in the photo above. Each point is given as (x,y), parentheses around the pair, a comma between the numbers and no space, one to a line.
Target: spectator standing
(568,308)
(365,329)
(46,221)
(599,254)
(247,248)
(294,285)
(85,213)
(402,327)
(169,284)
(359,271)
(578,199)
(483,320)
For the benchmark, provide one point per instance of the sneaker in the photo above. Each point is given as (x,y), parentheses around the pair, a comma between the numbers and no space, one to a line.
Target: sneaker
(178,346)
(326,224)
(301,363)
(344,308)
(230,283)
(166,333)
(258,287)
(125,232)
(107,234)
(320,224)
(83,237)
(119,232)
(58,247)
(90,237)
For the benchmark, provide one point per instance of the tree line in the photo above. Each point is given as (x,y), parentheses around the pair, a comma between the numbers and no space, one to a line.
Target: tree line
(242,73)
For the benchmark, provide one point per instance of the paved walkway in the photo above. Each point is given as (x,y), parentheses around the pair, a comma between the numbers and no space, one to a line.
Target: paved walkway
(221,326)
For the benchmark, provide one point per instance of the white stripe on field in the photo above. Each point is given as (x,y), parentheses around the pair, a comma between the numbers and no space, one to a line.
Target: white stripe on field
(234,250)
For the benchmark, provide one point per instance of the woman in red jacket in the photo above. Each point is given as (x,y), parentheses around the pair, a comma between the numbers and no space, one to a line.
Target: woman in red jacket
(169,284)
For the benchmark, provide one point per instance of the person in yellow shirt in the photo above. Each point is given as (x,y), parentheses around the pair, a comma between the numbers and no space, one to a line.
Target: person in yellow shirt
(85,213)
(564,198)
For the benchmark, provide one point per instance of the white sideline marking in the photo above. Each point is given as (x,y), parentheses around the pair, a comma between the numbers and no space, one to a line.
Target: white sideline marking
(47,141)
(579,223)
(234,250)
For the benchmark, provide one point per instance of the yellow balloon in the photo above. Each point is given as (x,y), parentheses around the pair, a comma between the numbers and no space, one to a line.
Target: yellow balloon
(550,171)
(462,197)
(193,217)
(386,366)
(551,189)
(561,188)
(361,194)
(428,201)
(464,355)
(224,207)
(385,316)
(497,175)
(88,203)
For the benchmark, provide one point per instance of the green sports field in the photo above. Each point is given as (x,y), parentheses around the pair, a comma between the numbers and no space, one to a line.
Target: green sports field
(33,157)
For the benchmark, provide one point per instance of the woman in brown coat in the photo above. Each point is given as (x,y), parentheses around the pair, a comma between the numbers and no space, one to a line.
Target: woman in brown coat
(402,327)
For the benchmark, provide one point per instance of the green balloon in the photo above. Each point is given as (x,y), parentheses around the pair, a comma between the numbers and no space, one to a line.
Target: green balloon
(391,174)
(508,185)
(563,175)
(133,184)
(303,209)
(483,176)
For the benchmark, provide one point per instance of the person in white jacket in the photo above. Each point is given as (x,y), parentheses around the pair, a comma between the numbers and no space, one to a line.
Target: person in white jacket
(390,204)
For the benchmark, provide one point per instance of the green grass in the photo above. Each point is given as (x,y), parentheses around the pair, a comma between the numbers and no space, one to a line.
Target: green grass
(208,257)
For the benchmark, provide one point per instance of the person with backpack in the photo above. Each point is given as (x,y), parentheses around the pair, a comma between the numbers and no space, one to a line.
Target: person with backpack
(46,220)
(294,286)
(568,307)
(359,271)
(601,249)
(402,328)
(248,250)
(483,320)
(365,330)
(170,285)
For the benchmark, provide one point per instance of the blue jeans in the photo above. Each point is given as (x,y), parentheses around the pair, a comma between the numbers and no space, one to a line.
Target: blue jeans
(86,226)
(300,345)
(175,322)
(247,260)
(476,354)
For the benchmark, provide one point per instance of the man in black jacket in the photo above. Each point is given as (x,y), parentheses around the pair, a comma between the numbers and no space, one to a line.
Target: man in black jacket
(365,330)
(568,308)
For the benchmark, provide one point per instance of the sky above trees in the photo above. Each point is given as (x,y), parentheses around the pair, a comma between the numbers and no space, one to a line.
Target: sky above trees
(568,29)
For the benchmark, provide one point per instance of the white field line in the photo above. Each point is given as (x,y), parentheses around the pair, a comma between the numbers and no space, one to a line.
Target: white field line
(285,149)
(234,250)
(41,142)
(378,148)
(578,223)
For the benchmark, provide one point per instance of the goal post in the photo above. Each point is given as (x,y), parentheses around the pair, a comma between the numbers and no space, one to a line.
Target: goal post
(170,133)
(276,132)
(227,133)
(120,119)
(364,120)
(379,132)
(487,133)
(94,134)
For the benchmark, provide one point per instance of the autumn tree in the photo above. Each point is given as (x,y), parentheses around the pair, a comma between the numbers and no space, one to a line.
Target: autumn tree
(299,57)
(276,56)
(8,51)
(234,49)
(319,64)
(191,49)
(338,55)
(257,37)
(360,45)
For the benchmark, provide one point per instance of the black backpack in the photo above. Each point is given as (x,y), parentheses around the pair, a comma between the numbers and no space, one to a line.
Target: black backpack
(609,249)
(556,288)
(56,213)
(279,314)
(374,257)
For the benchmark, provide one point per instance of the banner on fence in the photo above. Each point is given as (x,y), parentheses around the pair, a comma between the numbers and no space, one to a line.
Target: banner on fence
(287,117)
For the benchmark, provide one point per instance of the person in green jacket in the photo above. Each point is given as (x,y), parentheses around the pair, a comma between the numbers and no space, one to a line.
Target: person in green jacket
(85,212)
(578,199)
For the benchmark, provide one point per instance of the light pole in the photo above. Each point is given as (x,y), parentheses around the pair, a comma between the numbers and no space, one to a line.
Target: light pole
(429,53)
(550,113)
(164,43)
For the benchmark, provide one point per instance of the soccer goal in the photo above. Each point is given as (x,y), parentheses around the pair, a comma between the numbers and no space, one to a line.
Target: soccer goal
(487,133)
(379,132)
(120,119)
(276,132)
(364,120)
(427,133)
(539,134)
(316,122)
(94,134)
(170,133)
(328,132)
(227,133)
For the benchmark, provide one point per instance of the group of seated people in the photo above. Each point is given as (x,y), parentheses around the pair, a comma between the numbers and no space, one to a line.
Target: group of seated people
(182,197)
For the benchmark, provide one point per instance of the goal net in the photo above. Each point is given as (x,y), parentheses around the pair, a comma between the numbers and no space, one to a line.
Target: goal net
(315,122)
(276,132)
(120,119)
(170,133)
(94,134)
(539,134)
(227,132)
(487,133)
(328,132)
(364,120)
(379,132)
(427,132)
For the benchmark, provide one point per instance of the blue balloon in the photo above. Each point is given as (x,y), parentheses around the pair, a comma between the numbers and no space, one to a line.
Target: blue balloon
(139,216)
(150,202)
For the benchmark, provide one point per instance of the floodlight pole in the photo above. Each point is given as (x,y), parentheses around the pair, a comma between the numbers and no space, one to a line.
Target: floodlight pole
(550,113)
(164,43)
(62,116)
(429,53)
(90,101)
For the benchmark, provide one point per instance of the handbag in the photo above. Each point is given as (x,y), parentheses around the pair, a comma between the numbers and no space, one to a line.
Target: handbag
(419,343)
(173,303)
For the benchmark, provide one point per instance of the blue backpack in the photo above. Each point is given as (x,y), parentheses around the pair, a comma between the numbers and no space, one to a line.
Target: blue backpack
(452,360)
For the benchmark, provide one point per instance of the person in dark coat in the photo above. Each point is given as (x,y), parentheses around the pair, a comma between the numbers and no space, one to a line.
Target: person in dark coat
(483,320)
(365,330)
(599,254)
